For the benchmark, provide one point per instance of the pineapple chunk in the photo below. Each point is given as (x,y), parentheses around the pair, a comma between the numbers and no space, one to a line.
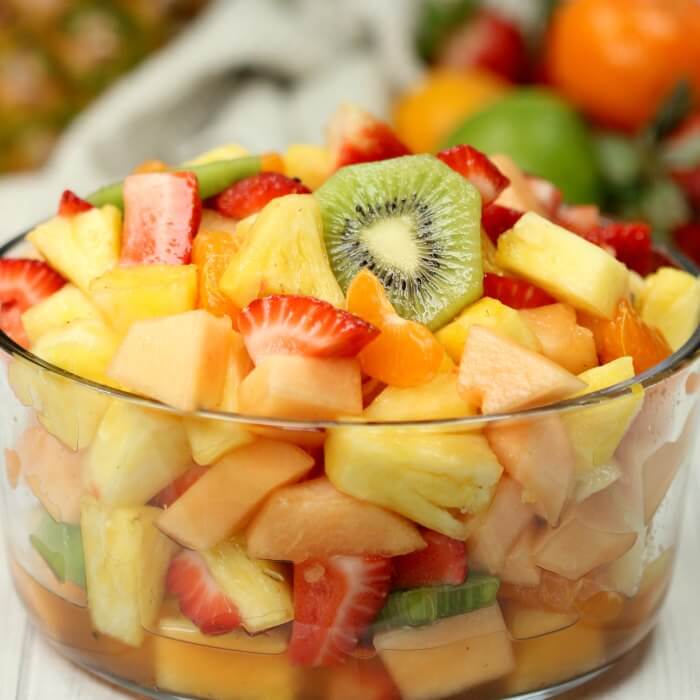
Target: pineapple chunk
(492,314)
(82,347)
(488,255)
(61,308)
(129,294)
(229,151)
(284,254)
(434,400)
(81,247)
(258,588)
(135,454)
(670,301)
(126,563)
(311,164)
(595,432)
(69,411)
(423,476)
(564,264)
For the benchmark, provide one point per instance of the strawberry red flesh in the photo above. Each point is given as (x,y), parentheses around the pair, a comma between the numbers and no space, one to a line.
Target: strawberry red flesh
(444,560)
(630,242)
(356,136)
(514,292)
(688,179)
(162,212)
(335,600)
(298,325)
(546,193)
(201,600)
(487,41)
(180,486)
(497,220)
(478,169)
(687,238)
(71,204)
(23,283)
(250,195)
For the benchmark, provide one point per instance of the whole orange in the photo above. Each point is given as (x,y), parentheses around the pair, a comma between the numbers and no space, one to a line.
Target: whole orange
(618,59)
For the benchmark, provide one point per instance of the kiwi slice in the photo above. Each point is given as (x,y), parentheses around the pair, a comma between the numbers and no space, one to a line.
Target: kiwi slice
(415,224)
(416,607)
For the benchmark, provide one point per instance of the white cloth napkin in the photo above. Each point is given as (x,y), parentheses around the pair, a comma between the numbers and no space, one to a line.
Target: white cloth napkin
(262,73)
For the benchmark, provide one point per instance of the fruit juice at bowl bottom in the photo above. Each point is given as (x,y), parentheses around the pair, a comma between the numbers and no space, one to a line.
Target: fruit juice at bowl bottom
(601,570)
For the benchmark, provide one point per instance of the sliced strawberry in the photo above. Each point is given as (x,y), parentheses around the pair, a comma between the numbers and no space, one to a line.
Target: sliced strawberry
(630,242)
(490,41)
(444,560)
(334,601)
(23,283)
(579,218)
(356,136)
(181,485)
(71,204)
(162,212)
(201,599)
(250,195)
(688,179)
(546,193)
(687,238)
(297,325)
(496,220)
(478,169)
(515,292)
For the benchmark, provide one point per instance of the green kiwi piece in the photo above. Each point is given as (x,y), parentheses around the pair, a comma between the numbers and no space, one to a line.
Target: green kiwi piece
(414,223)
(416,607)
(60,545)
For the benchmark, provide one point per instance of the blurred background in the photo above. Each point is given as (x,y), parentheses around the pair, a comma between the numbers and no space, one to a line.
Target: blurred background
(598,96)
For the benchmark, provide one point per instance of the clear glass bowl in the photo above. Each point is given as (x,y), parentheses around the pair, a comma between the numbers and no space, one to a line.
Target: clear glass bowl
(575,595)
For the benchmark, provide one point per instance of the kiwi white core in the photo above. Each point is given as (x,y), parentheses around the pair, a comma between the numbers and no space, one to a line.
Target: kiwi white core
(393,241)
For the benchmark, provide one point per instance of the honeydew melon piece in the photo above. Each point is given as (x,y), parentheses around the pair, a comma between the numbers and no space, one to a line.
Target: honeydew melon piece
(60,545)
(259,589)
(425,476)
(223,500)
(670,301)
(499,375)
(180,360)
(126,560)
(81,247)
(597,431)
(128,294)
(303,388)
(490,313)
(286,528)
(537,453)
(449,656)
(567,266)
(433,400)
(136,453)
(64,306)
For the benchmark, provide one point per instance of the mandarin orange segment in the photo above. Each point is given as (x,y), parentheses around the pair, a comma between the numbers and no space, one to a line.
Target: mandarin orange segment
(272,162)
(627,334)
(406,353)
(150,166)
(211,253)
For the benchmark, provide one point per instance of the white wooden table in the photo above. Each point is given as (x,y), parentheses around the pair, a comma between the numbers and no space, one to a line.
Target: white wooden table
(666,666)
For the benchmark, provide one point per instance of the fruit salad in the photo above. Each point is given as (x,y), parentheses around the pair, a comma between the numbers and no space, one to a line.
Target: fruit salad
(344,422)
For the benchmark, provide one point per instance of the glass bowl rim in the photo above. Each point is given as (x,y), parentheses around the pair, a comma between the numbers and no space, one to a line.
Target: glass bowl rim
(677,361)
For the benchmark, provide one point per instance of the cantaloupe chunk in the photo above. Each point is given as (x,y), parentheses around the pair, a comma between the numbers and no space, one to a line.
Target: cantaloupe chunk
(490,313)
(222,501)
(128,294)
(596,431)
(670,301)
(505,520)
(136,453)
(449,656)
(52,472)
(180,360)
(537,453)
(433,400)
(305,388)
(562,340)
(520,568)
(67,304)
(287,527)
(126,561)
(566,265)
(529,623)
(499,375)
